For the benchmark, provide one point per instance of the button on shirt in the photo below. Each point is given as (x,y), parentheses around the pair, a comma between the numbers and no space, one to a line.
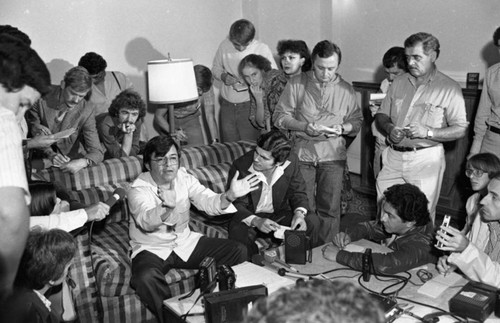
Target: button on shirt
(438,103)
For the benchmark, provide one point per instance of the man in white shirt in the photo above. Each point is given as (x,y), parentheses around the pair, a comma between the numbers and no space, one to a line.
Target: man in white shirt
(159,201)
(477,255)
(23,79)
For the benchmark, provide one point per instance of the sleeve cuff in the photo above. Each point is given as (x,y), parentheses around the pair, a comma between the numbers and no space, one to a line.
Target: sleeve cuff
(248,220)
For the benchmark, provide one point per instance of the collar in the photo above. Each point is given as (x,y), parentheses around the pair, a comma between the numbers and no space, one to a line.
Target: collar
(277,173)
(310,75)
(430,77)
(44,300)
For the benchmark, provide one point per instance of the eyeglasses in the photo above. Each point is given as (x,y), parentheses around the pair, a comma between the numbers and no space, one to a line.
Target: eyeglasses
(167,161)
(474,172)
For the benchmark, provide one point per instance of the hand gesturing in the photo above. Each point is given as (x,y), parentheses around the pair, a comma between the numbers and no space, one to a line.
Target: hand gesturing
(167,195)
(241,187)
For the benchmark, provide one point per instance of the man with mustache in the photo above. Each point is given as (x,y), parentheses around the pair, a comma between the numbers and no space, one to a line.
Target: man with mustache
(422,109)
(477,254)
(65,108)
(120,128)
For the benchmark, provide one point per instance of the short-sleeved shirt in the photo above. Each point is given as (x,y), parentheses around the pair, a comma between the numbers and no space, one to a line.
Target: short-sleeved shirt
(438,103)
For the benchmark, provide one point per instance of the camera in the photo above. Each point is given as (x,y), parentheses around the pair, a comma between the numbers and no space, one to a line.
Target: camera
(226,277)
(210,274)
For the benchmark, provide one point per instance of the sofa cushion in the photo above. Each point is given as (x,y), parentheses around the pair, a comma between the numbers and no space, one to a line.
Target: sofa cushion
(214,176)
(193,157)
(109,172)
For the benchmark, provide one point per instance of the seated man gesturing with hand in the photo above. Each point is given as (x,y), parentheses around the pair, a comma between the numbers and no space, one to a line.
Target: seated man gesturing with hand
(404,226)
(159,201)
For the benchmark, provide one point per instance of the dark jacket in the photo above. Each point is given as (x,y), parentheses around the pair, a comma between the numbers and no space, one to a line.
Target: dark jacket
(414,248)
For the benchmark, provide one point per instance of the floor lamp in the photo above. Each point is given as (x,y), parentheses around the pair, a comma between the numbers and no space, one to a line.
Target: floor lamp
(171,81)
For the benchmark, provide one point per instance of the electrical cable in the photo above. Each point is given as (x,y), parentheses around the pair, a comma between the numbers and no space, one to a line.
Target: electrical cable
(459,318)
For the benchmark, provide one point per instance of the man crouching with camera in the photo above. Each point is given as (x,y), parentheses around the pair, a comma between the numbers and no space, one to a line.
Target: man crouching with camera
(159,201)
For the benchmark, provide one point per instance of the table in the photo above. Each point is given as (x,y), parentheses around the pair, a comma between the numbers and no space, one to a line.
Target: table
(250,274)
(247,274)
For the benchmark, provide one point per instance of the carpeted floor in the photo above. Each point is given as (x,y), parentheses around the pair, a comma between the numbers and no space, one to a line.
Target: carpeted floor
(361,208)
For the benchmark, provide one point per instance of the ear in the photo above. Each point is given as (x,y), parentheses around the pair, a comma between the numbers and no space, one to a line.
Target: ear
(63,85)
(147,167)
(302,61)
(433,56)
(410,224)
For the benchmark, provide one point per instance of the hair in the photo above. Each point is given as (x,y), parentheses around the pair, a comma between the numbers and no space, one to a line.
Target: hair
(15,32)
(395,56)
(410,203)
(21,66)
(296,47)
(127,99)
(159,145)
(496,36)
(242,31)
(429,42)
(325,49)
(43,197)
(256,61)
(277,143)
(204,77)
(320,301)
(486,162)
(78,79)
(93,62)
(45,256)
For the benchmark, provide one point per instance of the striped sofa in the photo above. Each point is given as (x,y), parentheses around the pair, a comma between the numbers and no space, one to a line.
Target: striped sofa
(102,267)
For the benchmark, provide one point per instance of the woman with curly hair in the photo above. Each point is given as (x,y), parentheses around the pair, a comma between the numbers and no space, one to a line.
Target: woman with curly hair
(120,129)
(266,84)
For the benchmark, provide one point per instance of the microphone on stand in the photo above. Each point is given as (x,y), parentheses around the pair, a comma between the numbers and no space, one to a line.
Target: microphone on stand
(118,194)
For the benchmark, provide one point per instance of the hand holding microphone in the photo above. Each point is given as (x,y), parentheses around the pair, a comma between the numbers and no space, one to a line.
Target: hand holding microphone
(99,211)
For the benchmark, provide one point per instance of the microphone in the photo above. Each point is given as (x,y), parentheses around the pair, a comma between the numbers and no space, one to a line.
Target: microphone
(284,272)
(118,194)
(272,256)
(261,261)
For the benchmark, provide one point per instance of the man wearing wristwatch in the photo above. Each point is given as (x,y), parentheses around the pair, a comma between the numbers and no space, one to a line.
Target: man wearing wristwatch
(280,199)
(320,109)
(422,108)
(65,108)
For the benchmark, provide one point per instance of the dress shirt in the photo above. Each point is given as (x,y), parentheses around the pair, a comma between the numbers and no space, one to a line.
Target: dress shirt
(12,171)
(488,111)
(149,232)
(438,103)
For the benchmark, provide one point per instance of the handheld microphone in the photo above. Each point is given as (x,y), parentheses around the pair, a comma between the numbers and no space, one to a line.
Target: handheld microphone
(118,194)
(284,272)
(261,261)
(272,256)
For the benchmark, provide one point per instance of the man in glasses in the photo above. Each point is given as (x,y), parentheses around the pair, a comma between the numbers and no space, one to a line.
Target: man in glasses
(477,255)
(105,85)
(159,201)
(487,122)
(280,199)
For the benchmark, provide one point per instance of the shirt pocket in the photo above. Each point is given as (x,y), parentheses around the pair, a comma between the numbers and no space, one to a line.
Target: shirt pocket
(433,116)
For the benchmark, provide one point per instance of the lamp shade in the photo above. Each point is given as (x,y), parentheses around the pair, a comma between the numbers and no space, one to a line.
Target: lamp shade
(171,81)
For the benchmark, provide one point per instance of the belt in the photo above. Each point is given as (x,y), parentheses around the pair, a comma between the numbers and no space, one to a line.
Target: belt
(493,129)
(407,149)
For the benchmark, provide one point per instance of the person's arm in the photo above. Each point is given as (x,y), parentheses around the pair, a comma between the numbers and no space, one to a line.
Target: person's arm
(106,137)
(354,117)
(33,118)
(91,140)
(66,221)
(284,115)
(483,113)
(14,229)
(477,265)
(148,213)
(218,65)
(161,119)
(211,114)
(136,139)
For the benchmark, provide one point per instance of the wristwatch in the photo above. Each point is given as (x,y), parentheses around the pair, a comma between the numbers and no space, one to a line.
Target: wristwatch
(430,133)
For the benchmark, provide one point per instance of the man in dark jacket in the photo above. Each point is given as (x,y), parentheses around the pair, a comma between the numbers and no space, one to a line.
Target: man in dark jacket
(404,226)
(281,198)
